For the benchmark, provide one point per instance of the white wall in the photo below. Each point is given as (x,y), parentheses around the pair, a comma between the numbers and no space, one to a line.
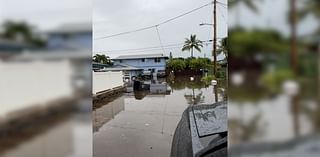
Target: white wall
(28,84)
(106,80)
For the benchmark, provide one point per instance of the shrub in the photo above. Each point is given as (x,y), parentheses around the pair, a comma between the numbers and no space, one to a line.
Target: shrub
(176,64)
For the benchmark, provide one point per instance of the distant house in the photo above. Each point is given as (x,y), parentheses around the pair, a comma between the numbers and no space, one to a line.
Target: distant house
(128,71)
(98,66)
(70,37)
(148,62)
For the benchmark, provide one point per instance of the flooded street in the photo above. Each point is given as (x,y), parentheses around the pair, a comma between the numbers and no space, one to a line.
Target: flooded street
(143,124)
(46,139)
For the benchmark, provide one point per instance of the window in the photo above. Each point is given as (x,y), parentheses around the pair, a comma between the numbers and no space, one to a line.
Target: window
(120,61)
(157,60)
(143,60)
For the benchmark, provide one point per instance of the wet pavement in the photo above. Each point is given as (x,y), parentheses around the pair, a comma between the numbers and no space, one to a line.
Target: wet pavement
(144,126)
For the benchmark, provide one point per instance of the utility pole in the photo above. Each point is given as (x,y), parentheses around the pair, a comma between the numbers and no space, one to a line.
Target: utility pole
(214,52)
(293,25)
(295,106)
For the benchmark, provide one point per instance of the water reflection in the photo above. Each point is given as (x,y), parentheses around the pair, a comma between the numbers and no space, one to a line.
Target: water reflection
(44,138)
(107,112)
(258,115)
(147,119)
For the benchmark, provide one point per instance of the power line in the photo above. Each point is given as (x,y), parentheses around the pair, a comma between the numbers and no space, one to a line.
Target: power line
(151,48)
(137,30)
(160,39)
(145,50)
(161,23)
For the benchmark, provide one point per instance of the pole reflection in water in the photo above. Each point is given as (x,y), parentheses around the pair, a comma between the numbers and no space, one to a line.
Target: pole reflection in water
(146,125)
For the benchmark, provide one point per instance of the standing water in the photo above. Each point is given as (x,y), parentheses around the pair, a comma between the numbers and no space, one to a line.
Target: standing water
(143,123)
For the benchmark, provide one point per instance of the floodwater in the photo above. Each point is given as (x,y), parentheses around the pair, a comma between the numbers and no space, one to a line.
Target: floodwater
(143,123)
(274,123)
(66,137)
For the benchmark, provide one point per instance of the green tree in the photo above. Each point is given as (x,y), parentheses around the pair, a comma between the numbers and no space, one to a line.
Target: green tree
(101,58)
(21,31)
(176,64)
(249,43)
(198,63)
(192,43)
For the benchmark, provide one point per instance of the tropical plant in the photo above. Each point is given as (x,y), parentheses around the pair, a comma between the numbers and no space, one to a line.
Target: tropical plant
(223,48)
(310,7)
(101,58)
(192,43)
(251,4)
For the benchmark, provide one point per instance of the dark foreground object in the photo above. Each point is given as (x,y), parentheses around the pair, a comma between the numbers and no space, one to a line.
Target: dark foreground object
(201,132)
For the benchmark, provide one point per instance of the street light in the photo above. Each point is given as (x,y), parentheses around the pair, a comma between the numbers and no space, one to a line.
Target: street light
(214,52)
(203,24)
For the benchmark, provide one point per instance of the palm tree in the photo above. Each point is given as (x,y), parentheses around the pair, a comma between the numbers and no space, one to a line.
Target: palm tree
(310,7)
(192,43)
(223,48)
(248,3)
(103,59)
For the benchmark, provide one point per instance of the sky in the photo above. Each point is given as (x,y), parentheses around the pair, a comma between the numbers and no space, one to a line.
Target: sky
(46,14)
(272,14)
(112,17)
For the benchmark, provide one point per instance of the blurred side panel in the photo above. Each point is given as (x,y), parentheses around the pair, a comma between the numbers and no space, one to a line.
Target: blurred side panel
(274,78)
(45,83)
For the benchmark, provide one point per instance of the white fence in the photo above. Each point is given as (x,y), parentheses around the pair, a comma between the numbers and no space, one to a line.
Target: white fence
(106,80)
(29,84)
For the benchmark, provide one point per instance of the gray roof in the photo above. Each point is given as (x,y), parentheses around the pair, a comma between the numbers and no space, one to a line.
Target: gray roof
(70,28)
(141,56)
(120,67)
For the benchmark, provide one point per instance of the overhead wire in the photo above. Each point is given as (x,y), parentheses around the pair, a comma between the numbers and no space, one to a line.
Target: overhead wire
(150,48)
(156,25)
(160,39)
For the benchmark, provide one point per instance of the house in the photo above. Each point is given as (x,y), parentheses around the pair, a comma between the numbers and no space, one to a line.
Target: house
(70,36)
(98,66)
(155,63)
(129,72)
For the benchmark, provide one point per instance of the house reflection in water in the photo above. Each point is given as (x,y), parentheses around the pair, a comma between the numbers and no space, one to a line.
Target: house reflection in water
(156,89)
(107,112)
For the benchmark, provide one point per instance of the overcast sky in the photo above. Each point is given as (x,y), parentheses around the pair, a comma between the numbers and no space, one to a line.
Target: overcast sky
(46,14)
(272,14)
(111,17)
(115,16)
